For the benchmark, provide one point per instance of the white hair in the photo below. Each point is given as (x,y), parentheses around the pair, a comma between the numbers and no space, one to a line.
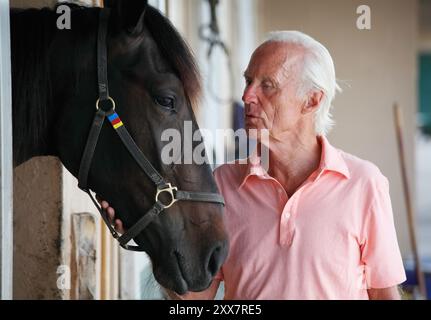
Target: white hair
(318,73)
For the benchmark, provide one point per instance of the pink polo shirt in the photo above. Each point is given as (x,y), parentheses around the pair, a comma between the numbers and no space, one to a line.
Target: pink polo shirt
(333,239)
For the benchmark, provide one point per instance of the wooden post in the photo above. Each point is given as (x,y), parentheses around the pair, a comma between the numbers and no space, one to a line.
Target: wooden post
(114,269)
(6,180)
(83,257)
(105,270)
(410,215)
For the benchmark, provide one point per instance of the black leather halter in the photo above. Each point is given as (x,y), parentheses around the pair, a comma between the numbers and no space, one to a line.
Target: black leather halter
(162,186)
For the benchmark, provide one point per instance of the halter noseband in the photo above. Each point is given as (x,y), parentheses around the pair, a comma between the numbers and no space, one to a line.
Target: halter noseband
(163,187)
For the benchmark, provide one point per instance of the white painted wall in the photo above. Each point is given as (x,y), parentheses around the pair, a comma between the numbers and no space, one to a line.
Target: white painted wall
(6,213)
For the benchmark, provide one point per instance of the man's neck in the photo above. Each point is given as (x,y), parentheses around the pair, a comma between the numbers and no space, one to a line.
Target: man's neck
(293,159)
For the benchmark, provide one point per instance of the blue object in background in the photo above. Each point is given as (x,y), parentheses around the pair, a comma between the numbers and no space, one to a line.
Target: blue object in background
(425,93)
(238,122)
(238,116)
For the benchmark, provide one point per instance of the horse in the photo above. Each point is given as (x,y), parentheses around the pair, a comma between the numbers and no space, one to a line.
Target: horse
(154,81)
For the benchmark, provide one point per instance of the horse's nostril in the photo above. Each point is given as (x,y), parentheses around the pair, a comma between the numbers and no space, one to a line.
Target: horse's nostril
(212,263)
(216,259)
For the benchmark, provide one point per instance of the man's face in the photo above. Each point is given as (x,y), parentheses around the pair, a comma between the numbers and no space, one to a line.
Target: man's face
(270,95)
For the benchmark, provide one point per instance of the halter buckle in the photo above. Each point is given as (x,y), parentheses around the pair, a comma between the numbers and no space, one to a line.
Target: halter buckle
(169,189)
(110,100)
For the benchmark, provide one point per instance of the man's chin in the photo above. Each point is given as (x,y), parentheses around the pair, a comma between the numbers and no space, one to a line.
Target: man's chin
(256,133)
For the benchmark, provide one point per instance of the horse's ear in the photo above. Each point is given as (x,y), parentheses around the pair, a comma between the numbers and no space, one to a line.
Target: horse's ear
(129,14)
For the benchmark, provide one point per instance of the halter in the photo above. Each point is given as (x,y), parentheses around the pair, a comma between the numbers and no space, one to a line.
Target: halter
(174,195)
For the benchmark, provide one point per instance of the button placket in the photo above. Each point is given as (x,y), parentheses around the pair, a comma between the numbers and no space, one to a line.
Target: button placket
(287,225)
(286,221)
(290,210)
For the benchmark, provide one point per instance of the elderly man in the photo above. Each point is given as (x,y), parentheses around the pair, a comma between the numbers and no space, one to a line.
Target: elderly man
(314,222)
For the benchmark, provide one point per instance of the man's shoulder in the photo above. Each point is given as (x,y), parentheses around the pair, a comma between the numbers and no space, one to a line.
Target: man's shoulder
(362,170)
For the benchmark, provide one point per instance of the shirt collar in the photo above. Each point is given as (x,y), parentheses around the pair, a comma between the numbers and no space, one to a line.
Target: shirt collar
(254,167)
(331,160)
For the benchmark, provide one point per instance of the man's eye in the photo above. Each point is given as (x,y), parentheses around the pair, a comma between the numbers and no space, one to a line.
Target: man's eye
(166,102)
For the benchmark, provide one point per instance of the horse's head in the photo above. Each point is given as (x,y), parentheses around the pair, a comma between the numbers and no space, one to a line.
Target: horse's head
(153,80)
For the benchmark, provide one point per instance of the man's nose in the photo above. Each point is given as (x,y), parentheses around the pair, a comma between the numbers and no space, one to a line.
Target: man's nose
(249,95)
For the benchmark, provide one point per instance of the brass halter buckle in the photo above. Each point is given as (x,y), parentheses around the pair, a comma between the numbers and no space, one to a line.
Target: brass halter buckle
(110,100)
(169,189)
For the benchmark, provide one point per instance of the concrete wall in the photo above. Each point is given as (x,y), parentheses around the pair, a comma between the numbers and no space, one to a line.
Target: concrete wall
(37,229)
(376,68)
(31,4)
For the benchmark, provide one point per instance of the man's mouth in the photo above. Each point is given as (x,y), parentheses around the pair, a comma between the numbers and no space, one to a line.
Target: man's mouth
(251,116)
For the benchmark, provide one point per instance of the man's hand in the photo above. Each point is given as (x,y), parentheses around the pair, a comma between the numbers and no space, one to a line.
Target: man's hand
(117,223)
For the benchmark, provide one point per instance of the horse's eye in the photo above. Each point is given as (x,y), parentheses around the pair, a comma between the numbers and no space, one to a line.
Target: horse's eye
(166,102)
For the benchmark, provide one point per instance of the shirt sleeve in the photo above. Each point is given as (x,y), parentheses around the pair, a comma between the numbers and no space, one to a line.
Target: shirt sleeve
(380,252)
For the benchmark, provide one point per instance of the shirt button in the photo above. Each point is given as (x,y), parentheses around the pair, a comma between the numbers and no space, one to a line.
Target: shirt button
(286,216)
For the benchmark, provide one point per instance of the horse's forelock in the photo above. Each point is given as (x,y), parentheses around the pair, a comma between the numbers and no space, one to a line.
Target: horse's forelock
(176,52)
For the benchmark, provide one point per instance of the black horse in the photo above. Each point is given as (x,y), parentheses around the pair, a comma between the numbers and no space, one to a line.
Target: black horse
(154,81)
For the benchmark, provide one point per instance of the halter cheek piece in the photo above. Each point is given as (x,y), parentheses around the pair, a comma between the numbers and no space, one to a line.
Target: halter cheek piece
(163,188)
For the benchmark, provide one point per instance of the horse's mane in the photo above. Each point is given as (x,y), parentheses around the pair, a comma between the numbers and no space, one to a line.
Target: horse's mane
(31,34)
(175,51)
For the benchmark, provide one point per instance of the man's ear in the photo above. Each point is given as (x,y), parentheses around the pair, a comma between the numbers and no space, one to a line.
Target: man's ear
(312,102)
(128,14)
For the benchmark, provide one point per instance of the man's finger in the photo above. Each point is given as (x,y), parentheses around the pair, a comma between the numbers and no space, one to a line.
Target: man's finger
(119,226)
(111,214)
(105,205)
